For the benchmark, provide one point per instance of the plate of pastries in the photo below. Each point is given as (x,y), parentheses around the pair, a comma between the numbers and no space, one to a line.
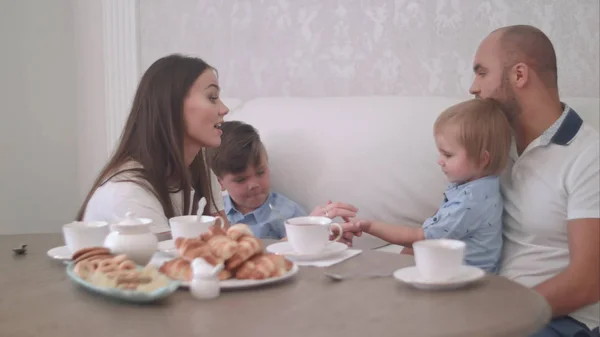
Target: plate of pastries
(116,276)
(246,264)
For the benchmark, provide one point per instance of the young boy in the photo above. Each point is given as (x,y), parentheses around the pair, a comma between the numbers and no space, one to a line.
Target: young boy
(473,139)
(241,166)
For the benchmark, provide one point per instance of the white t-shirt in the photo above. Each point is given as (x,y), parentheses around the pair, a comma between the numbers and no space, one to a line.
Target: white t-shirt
(555,180)
(111,201)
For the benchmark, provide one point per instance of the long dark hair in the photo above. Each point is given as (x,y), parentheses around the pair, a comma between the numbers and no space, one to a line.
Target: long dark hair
(153,137)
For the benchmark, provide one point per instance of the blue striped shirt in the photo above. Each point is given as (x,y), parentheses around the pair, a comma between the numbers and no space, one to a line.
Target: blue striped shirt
(472,212)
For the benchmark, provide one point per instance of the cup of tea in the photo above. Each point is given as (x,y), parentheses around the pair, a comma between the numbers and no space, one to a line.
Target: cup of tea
(439,260)
(191,226)
(310,234)
(85,234)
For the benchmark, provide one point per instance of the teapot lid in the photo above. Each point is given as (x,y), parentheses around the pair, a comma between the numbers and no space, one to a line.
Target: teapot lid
(130,219)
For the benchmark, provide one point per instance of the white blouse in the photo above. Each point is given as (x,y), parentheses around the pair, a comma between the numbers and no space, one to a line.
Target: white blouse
(111,201)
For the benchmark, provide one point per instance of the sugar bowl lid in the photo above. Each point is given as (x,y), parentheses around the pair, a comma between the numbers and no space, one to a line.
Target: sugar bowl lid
(132,223)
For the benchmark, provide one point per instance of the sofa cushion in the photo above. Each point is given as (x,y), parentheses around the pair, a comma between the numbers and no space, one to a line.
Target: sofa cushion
(377,153)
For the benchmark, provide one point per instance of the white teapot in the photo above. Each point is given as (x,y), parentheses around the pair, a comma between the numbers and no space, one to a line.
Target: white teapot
(132,237)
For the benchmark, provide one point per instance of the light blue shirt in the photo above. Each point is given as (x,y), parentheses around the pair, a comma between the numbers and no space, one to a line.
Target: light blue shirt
(472,212)
(264,223)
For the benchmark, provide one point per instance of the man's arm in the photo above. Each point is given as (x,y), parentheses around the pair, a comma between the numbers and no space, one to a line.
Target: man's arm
(579,284)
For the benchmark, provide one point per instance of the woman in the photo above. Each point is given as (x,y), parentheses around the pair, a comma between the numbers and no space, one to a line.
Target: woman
(158,170)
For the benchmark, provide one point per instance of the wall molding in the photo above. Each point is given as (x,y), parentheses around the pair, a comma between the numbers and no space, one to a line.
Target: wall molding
(121,70)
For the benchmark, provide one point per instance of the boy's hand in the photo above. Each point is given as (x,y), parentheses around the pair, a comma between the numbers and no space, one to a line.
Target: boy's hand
(350,230)
(407,251)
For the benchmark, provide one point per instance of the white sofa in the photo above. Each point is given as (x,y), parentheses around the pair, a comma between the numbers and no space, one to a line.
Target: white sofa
(377,153)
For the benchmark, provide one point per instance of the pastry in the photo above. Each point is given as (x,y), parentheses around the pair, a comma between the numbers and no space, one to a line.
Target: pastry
(237,248)
(83,251)
(204,252)
(177,269)
(181,269)
(235,232)
(102,263)
(247,247)
(212,232)
(87,253)
(186,243)
(222,246)
(103,269)
(216,249)
(263,266)
(84,269)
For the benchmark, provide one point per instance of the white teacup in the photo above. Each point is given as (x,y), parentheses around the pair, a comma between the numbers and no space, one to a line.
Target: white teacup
(80,234)
(188,226)
(439,260)
(310,234)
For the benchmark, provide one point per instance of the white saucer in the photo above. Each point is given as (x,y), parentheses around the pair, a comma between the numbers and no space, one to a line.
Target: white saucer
(168,247)
(411,276)
(61,253)
(284,248)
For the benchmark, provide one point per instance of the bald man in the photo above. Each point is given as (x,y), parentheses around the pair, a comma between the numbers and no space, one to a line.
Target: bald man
(551,186)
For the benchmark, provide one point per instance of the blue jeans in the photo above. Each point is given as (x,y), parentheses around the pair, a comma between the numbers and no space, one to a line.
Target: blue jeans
(566,327)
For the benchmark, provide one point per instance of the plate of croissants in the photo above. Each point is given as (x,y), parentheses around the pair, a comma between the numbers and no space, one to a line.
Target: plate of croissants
(245,262)
(116,276)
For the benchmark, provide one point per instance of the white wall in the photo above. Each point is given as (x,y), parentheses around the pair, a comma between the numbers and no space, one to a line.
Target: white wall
(361,48)
(46,130)
(91,107)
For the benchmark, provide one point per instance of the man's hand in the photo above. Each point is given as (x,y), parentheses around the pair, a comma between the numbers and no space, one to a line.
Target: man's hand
(579,284)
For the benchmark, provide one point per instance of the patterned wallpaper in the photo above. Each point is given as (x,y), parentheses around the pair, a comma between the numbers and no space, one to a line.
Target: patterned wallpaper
(360,47)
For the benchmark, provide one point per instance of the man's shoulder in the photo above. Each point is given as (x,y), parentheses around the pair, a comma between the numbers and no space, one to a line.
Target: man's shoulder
(584,149)
(586,136)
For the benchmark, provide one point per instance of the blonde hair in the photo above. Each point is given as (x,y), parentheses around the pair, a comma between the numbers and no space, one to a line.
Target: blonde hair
(482,126)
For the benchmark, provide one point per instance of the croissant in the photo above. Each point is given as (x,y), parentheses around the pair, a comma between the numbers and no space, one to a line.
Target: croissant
(235,232)
(247,247)
(204,252)
(222,247)
(263,266)
(181,269)
(183,244)
(224,275)
(212,232)
(177,269)
(238,248)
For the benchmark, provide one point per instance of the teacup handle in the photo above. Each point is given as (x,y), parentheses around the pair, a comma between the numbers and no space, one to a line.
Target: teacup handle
(220,220)
(340,231)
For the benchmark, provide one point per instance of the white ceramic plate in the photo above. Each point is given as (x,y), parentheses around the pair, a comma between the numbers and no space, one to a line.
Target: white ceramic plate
(244,284)
(285,249)
(61,253)
(466,276)
(235,283)
(124,295)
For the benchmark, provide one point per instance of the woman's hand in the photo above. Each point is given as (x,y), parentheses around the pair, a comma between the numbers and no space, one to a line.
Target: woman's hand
(334,209)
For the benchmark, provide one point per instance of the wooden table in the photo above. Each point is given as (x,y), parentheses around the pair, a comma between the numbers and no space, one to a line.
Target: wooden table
(37,299)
